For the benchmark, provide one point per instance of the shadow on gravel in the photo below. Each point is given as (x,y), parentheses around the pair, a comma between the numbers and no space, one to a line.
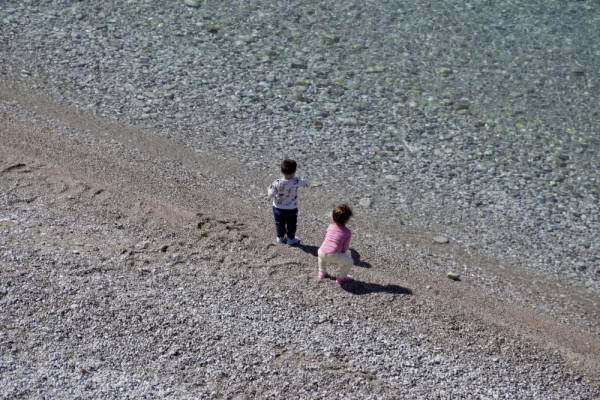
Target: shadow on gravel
(357,261)
(359,287)
(355,255)
(307,248)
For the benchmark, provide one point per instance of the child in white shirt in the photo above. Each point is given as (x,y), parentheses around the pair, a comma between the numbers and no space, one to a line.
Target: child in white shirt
(284,193)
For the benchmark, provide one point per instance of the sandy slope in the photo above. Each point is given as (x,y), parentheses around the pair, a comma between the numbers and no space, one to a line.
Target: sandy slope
(129,267)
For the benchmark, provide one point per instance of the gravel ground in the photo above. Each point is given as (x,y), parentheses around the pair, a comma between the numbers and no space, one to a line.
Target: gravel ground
(110,289)
(475,119)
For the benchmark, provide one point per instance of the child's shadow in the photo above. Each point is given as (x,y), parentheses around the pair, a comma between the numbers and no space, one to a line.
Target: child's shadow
(359,288)
(355,255)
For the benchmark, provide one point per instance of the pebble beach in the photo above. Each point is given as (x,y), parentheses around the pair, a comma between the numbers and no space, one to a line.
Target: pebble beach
(471,124)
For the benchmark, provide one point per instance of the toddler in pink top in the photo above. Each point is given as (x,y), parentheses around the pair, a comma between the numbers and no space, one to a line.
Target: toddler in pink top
(336,244)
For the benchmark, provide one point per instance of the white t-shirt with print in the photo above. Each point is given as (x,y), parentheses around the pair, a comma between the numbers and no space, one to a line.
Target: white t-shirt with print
(284,192)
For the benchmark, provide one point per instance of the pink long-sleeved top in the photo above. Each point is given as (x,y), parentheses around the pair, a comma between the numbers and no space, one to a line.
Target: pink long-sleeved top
(337,239)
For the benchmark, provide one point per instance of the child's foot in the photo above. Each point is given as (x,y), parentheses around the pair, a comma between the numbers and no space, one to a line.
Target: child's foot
(343,280)
(280,240)
(293,241)
(323,275)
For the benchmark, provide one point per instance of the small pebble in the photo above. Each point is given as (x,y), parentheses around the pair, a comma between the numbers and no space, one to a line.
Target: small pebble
(365,202)
(192,3)
(453,276)
(440,239)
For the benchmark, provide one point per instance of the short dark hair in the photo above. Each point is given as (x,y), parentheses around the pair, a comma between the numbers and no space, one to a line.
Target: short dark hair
(341,214)
(288,166)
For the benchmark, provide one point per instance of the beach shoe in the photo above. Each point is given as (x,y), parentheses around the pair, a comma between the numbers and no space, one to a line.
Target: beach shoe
(280,240)
(323,275)
(293,241)
(344,280)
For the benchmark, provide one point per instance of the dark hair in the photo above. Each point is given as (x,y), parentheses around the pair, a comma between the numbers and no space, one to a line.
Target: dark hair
(341,214)
(288,166)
